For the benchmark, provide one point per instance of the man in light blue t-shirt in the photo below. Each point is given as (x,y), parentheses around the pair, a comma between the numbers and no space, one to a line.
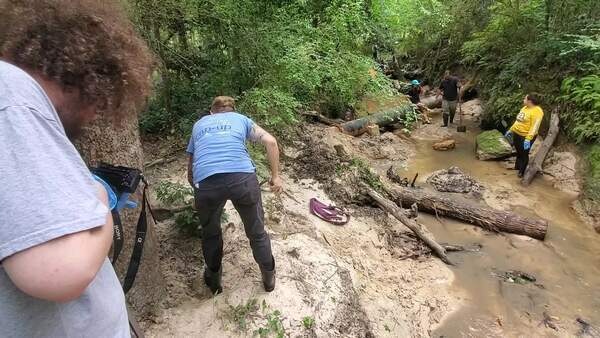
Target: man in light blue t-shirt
(220,169)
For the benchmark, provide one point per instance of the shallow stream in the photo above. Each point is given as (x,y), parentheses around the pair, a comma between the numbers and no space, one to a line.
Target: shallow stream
(566,265)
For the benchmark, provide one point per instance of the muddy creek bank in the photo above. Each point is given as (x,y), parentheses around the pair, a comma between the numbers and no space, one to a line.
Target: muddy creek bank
(566,265)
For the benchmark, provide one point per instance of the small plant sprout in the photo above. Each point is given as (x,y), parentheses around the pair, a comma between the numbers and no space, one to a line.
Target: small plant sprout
(308,322)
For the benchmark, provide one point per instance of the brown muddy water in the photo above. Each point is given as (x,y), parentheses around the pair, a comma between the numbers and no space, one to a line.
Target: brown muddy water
(566,264)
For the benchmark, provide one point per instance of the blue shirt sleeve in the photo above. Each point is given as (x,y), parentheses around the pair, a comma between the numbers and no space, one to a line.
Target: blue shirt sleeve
(249,125)
(190,147)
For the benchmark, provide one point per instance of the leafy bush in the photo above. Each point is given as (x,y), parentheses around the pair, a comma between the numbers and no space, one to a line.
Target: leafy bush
(259,157)
(582,118)
(172,193)
(274,57)
(271,107)
(175,194)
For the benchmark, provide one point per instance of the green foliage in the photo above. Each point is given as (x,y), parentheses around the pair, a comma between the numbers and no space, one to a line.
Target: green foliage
(582,118)
(274,326)
(592,179)
(308,322)
(363,172)
(241,313)
(259,157)
(187,221)
(512,47)
(176,194)
(275,108)
(172,193)
(410,118)
(274,57)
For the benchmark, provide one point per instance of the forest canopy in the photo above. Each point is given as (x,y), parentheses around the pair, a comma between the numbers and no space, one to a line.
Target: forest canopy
(277,57)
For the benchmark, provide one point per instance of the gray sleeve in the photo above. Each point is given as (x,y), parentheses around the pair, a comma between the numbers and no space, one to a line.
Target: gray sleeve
(46,191)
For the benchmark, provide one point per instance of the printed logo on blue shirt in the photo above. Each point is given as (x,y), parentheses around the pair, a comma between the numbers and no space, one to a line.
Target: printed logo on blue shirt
(220,126)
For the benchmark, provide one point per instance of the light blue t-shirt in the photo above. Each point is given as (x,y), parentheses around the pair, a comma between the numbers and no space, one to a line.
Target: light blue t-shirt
(46,192)
(218,145)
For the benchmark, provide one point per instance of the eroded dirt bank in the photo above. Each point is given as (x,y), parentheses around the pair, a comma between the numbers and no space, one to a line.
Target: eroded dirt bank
(372,278)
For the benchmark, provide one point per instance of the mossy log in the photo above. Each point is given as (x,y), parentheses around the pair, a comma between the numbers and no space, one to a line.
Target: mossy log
(381,119)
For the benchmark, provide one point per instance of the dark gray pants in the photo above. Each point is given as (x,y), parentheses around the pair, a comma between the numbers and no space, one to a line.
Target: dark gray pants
(522,155)
(243,190)
(449,110)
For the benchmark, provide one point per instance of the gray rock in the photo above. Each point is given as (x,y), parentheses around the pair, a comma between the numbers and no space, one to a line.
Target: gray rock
(454,179)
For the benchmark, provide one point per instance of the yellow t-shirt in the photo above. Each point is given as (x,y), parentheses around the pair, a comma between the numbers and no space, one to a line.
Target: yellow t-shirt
(528,122)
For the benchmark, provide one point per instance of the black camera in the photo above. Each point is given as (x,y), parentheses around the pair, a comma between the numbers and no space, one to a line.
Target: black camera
(121,179)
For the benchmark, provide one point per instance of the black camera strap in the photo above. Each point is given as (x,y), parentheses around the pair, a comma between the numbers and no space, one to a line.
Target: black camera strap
(140,238)
(138,246)
(117,237)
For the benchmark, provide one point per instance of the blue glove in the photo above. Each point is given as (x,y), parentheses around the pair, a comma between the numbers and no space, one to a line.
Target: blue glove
(526,144)
(509,136)
(112,197)
(124,202)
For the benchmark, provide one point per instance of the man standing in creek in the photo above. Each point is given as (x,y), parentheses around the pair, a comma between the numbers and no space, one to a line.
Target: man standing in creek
(450,90)
(220,169)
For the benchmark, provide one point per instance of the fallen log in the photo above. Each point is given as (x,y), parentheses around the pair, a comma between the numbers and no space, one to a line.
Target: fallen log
(535,166)
(463,210)
(160,161)
(381,119)
(432,101)
(319,117)
(399,214)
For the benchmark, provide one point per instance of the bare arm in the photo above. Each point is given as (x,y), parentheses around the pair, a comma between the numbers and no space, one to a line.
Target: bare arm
(60,270)
(190,170)
(261,136)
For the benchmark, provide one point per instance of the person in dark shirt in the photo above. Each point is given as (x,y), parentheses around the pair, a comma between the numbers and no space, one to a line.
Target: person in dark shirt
(449,89)
(415,92)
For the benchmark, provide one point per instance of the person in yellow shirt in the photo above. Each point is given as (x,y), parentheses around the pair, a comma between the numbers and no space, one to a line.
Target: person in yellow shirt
(524,131)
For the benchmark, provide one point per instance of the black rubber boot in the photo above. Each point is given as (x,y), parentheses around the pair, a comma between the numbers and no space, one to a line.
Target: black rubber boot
(212,279)
(268,278)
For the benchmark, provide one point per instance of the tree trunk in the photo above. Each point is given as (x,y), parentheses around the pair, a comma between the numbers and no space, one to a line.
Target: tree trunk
(536,165)
(120,145)
(384,118)
(463,210)
(416,228)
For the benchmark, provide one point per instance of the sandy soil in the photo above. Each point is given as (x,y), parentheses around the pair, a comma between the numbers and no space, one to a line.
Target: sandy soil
(369,278)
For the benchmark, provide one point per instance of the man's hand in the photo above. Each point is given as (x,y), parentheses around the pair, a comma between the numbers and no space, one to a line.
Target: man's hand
(260,135)
(276,184)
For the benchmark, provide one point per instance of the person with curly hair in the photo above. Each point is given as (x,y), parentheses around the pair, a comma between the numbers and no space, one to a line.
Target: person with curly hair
(62,64)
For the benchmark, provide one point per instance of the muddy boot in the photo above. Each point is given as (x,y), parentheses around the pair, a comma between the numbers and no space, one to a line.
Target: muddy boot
(268,278)
(212,279)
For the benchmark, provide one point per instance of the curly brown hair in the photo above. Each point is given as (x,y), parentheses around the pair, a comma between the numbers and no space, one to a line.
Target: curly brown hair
(87,45)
